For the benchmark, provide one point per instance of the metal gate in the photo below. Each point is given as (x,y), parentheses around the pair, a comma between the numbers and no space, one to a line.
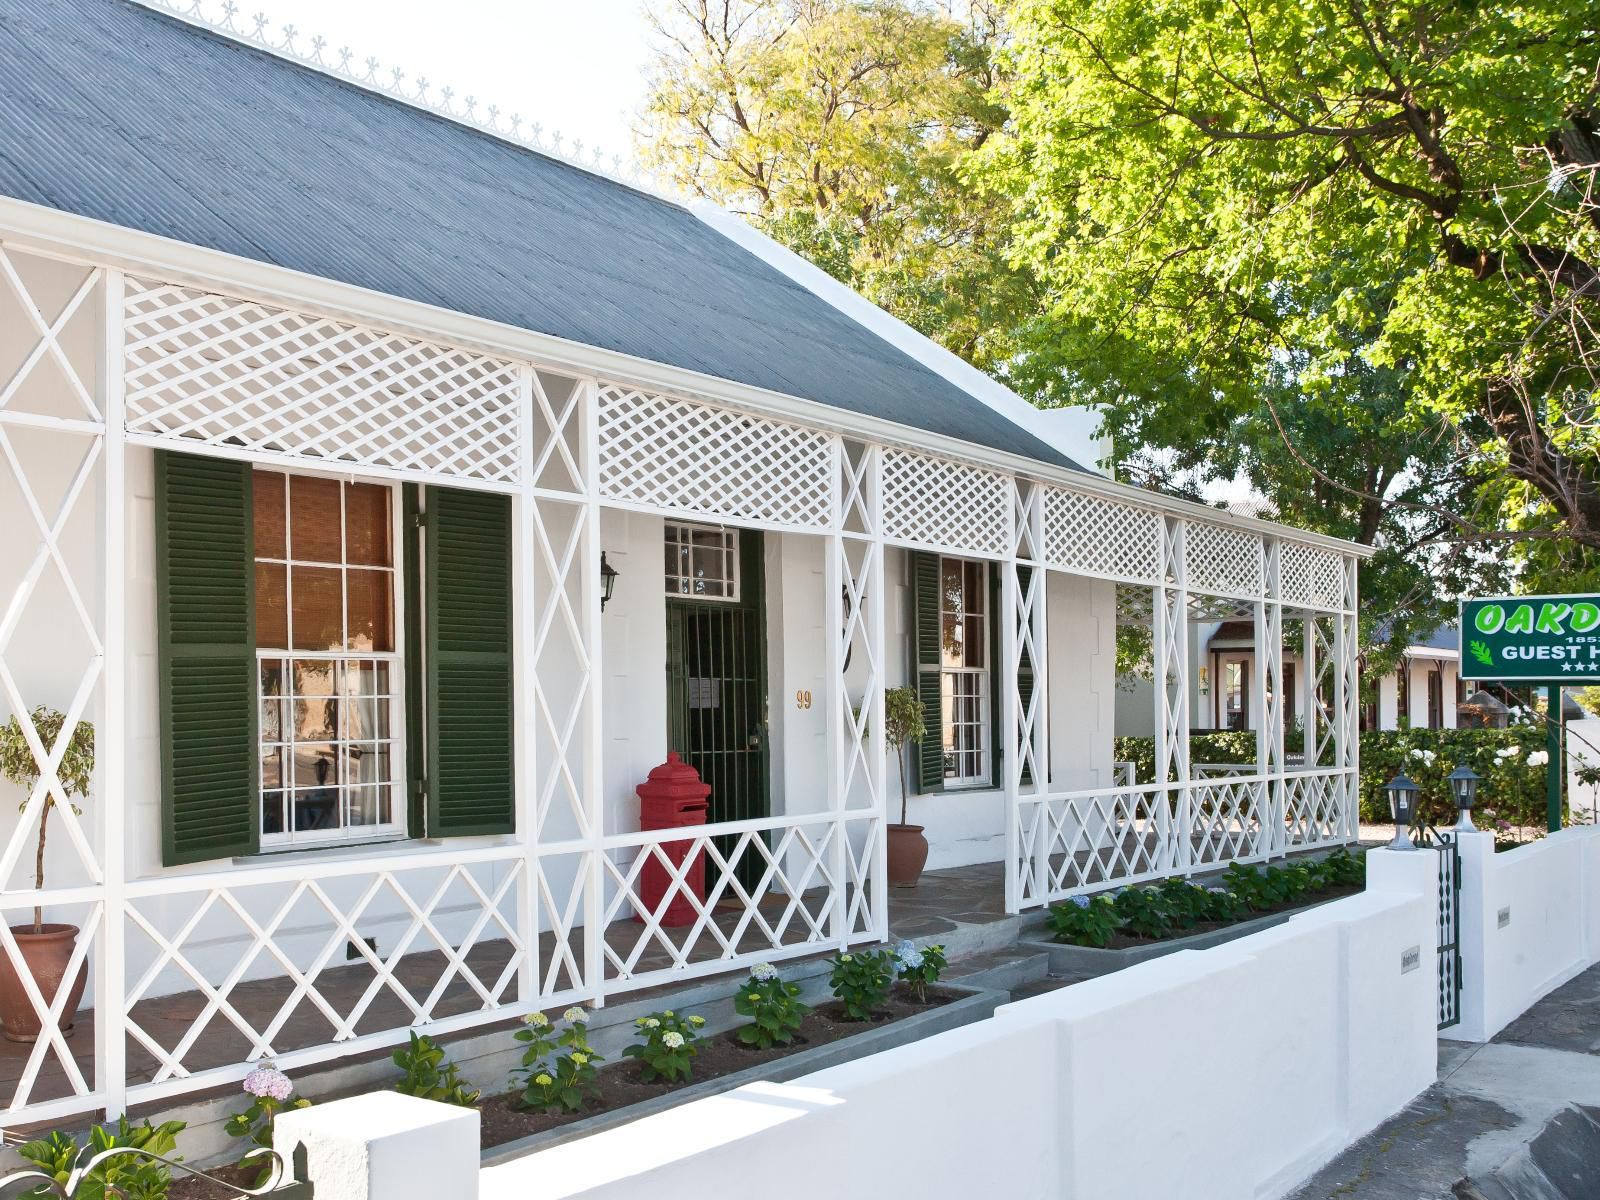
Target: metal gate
(1444,844)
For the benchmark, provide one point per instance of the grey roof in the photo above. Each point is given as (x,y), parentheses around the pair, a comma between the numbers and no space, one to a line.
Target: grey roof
(112,111)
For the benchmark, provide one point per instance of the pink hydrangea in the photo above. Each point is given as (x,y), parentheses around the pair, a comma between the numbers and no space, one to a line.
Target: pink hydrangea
(267,1082)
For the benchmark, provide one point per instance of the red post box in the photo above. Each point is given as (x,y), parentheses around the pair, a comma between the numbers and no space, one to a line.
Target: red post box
(672,796)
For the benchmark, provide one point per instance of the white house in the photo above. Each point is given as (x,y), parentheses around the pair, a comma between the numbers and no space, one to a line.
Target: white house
(319,413)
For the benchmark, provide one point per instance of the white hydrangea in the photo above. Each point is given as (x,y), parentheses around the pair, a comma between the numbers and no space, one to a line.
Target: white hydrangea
(672,1039)
(575,1015)
(762,972)
(1539,758)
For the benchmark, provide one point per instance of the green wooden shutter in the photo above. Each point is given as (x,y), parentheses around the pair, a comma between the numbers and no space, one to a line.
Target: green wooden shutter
(929,753)
(467,583)
(205,603)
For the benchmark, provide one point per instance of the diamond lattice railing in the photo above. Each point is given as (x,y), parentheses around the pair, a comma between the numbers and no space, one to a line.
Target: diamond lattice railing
(278,963)
(1223,561)
(1313,807)
(693,458)
(215,369)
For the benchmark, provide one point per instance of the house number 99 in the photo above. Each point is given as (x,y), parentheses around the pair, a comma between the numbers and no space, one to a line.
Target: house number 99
(802,699)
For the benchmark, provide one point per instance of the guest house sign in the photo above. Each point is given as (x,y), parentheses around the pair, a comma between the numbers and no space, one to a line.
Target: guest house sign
(1550,639)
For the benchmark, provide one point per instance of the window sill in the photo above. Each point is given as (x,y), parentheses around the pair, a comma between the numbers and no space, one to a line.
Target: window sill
(321,850)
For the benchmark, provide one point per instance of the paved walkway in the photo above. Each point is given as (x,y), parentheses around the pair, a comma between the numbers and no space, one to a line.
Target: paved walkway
(1489,1103)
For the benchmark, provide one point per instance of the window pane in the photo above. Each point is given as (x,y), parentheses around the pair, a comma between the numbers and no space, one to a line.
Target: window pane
(269,514)
(312,677)
(951,586)
(312,766)
(272,606)
(366,807)
(974,596)
(314,534)
(272,720)
(272,768)
(318,608)
(316,808)
(316,720)
(371,613)
(974,647)
(271,812)
(367,525)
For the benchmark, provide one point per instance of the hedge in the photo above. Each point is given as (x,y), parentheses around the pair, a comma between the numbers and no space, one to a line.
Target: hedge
(1511,794)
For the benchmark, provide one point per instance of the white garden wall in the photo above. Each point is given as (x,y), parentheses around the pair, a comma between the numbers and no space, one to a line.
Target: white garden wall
(1530,921)
(1227,1073)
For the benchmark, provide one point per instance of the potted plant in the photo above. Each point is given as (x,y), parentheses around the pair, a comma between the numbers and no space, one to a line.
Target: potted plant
(904,721)
(45,949)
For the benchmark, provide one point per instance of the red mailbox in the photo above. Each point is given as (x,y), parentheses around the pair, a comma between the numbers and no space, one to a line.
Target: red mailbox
(672,796)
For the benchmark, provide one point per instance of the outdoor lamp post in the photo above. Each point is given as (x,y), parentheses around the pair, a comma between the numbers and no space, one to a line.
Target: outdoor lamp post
(608,580)
(1464,787)
(1402,803)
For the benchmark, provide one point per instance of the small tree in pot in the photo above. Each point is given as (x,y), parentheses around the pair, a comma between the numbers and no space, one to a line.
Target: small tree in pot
(904,722)
(46,950)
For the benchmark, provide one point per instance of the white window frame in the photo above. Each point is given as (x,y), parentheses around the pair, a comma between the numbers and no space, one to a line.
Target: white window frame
(345,834)
(730,550)
(984,676)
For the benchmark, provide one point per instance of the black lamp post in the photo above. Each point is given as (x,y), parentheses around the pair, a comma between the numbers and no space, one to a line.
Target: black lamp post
(608,580)
(1402,804)
(1464,787)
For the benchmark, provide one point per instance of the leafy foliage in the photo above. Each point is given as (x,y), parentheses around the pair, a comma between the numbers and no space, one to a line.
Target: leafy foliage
(1085,920)
(1173,906)
(919,967)
(773,1007)
(254,1124)
(861,980)
(1349,250)
(558,1069)
(905,719)
(665,1046)
(129,1177)
(76,771)
(427,1073)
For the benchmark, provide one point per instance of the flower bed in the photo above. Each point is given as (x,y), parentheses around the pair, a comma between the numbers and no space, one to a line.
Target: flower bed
(1132,918)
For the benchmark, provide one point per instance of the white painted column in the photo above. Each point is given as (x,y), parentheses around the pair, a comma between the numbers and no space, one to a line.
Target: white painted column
(591,722)
(111,774)
(524,515)
(1171,651)
(1269,653)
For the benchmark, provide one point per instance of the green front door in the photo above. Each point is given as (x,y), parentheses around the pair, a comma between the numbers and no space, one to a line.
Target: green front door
(717,699)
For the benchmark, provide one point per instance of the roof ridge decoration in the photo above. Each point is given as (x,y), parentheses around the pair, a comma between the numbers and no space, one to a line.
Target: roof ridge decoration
(341,64)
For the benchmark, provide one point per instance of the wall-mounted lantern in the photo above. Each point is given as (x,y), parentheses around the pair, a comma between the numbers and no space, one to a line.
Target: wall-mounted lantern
(1402,804)
(1464,787)
(608,580)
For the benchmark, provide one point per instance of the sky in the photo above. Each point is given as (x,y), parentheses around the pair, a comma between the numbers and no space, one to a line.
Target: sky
(577,66)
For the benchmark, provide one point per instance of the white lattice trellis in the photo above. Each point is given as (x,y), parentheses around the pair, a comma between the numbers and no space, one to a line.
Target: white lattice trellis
(687,457)
(946,505)
(228,372)
(1223,561)
(1091,535)
(1312,577)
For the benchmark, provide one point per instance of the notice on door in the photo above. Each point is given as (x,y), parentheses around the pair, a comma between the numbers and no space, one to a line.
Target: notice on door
(705,692)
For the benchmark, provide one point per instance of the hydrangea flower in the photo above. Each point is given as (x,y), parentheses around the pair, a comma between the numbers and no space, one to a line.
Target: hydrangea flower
(847,958)
(537,1019)
(754,997)
(697,1020)
(1539,758)
(651,1023)
(575,1015)
(672,1039)
(1080,901)
(543,1080)
(579,1057)
(910,962)
(763,972)
(267,1082)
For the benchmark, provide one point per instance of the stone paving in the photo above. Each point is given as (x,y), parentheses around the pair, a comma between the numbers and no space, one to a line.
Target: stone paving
(1465,1137)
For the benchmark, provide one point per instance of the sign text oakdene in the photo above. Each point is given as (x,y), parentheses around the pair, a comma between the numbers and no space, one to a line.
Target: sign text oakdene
(1545,638)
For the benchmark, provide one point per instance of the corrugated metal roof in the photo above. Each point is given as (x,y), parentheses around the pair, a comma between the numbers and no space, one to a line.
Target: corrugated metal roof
(115,112)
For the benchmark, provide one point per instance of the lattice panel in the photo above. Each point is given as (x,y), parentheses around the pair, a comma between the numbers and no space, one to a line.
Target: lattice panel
(712,462)
(1313,808)
(258,968)
(946,505)
(1225,820)
(1312,577)
(1091,535)
(786,910)
(1222,561)
(215,369)
(1084,843)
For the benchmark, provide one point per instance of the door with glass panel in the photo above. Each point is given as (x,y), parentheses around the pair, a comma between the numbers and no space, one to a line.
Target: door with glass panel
(716,673)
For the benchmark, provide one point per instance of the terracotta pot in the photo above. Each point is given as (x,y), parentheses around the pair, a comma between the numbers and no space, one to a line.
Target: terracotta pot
(908,854)
(46,954)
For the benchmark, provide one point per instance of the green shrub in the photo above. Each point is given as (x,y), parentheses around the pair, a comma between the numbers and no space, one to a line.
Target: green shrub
(427,1074)
(558,1069)
(1084,921)
(1144,912)
(270,1092)
(919,967)
(1187,904)
(665,1046)
(861,981)
(127,1177)
(773,1007)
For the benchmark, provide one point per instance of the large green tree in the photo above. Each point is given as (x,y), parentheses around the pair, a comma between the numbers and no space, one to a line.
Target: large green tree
(1369,229)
